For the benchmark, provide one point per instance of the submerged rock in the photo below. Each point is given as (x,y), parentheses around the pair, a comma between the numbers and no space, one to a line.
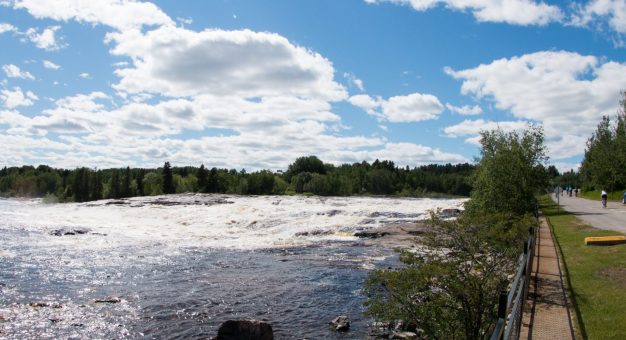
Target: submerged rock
(245,330)
(70,231)
(404,335)
(340,323)
(108,300)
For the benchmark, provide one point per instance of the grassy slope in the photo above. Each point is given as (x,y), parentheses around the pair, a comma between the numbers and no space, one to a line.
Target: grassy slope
(596,275)
(595,195)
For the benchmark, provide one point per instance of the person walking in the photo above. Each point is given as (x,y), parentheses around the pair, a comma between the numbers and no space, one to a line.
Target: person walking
(604,197)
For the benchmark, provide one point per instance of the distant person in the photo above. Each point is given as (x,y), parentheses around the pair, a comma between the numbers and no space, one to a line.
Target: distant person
(576,192)
(604,197)
(624,198)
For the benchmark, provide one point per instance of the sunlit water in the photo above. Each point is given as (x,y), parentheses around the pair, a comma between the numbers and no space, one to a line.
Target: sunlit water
(181,265)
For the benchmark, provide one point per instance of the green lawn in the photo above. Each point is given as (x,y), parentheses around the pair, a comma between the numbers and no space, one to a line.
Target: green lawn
(596,275)
(595,195)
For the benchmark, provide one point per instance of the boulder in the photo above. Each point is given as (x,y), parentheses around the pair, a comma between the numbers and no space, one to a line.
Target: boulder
(371,234)
(404,335)
(340,323)
(245,330)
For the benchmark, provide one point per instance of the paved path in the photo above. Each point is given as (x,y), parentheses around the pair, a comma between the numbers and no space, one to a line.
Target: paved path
(546,314)
(613,217)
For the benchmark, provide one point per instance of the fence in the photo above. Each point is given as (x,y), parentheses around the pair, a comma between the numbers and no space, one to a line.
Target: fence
(511,304)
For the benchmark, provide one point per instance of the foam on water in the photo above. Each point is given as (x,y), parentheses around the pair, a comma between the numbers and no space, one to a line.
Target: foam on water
(214,221)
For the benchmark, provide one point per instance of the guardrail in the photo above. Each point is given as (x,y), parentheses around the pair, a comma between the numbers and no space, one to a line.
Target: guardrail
(511,304)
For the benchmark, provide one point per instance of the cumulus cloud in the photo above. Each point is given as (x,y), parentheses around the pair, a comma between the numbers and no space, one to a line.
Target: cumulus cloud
(13,71)
(15,98)
(465,110)
(85,75)
(414,107)
(46,39)
(566,91)
(613,12)
(516,12)
(5,27)
(177,62)
(119,14)
(471,128)
(257,99)
(50,65)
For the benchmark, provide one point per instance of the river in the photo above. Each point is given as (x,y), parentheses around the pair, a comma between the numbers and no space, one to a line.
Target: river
(177,266)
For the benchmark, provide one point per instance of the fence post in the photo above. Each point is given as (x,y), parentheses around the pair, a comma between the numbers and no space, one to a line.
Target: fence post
(502,305)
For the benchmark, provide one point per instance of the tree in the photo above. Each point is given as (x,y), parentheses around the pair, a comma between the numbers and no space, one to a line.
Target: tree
(168,180)
(126,192)
(114,187)
(140,176)
(452,294)
(310,164)
(510,172)
(604,164)
(202,179)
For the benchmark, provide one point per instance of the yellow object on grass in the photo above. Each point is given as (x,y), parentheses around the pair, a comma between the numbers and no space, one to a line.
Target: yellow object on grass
(605,240)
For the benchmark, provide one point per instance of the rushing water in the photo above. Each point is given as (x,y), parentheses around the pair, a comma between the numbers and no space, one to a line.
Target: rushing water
(178,266)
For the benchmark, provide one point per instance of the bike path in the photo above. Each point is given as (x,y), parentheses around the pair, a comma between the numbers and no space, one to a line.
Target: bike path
(613,217)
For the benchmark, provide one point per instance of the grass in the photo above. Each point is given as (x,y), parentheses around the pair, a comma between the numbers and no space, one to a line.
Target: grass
(595,195)
(596,275)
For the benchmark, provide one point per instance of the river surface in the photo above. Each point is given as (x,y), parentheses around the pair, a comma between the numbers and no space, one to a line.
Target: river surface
(178,266)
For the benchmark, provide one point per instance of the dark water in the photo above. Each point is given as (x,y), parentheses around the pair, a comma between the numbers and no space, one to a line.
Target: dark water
(179,293)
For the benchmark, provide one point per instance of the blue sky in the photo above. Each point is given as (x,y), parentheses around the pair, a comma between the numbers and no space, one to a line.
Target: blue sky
(255,84)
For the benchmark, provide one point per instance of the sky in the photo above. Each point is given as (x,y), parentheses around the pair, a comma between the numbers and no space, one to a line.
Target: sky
(255,84)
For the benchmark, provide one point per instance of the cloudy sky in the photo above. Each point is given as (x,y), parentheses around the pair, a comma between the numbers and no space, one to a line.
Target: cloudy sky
(255,84)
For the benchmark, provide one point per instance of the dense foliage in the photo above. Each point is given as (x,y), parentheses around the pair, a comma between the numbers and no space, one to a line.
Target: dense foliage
(604,165)
(450,290)
(305,175)
(510,173)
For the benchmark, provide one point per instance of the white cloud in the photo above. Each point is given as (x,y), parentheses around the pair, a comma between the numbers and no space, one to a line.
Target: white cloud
(566,91)
(13,71)
(465,110)
(15,98)
(599,11)
(358,83)
(85,75)
(50,65)
(516,12)
(119,14)
(5,27)
(474,127)
(177,62)
(46,39)
(414,107)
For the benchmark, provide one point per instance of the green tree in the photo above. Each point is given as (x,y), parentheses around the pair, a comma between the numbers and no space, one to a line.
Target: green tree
(140,176)
(203,177)
(126,189)
(452,294)
(168,180)
(309,164)
(510,172)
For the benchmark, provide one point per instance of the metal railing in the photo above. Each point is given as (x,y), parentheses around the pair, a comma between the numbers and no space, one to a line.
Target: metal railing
(511,303)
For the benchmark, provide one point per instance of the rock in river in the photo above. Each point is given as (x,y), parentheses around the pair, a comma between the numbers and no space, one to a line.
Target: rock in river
(340,323)
(245,330)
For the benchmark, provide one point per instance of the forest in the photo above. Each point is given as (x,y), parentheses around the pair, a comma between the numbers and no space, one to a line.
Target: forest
(306,175)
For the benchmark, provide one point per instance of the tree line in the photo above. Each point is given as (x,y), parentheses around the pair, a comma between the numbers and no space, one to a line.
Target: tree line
(604,163)
(305,175)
